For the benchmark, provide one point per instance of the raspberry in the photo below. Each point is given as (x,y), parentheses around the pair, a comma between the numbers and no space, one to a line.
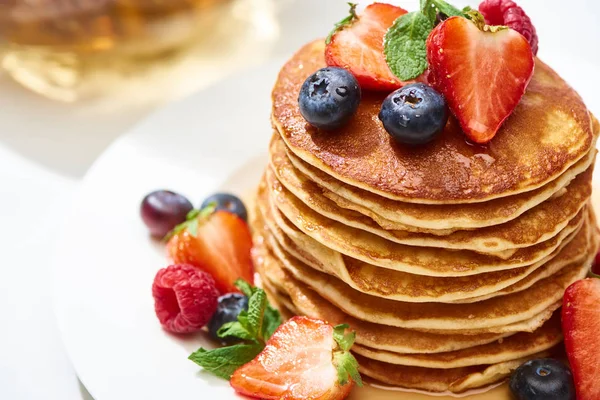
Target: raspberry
(507,12)
(185,298)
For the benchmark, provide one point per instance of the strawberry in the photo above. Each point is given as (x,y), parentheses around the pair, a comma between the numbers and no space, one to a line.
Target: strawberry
(482,71)
(216,242)
(581,324)
(357,45)
(304,359)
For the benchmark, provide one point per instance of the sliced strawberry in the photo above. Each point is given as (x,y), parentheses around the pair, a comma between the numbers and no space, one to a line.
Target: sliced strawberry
(304,359)
(358,47)
(482,74)
(581,324)
(218,243)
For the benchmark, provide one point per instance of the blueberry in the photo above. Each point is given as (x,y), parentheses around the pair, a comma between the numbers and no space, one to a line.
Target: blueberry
(227,202)
(162,210)
(329,98)
(544,379)
(414,114)
(230,306)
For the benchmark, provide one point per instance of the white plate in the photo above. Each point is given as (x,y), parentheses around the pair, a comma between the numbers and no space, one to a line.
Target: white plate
(105,262)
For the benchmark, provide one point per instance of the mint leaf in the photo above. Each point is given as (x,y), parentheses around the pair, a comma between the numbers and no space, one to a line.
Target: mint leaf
(272,320)
(429,10)
(254,326)
(245,287)
(224,361)
(347,368)
(447,9)
(256,312)
(343,23)
(343,339)
(405,45)
(235,329)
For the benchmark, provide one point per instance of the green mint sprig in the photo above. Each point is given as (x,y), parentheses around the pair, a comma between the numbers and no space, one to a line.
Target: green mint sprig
(253,327)
(406,41)
(343,23)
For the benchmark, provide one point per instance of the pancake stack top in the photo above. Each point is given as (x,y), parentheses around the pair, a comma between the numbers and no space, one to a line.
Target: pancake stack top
(449,260)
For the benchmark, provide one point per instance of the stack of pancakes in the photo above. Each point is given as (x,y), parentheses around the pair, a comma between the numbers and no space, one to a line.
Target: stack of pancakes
(449,260)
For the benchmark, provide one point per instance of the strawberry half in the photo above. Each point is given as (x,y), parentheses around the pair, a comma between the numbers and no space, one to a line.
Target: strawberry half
(216,242)
(304,359)
(482,71)
(581,324)
(358,47)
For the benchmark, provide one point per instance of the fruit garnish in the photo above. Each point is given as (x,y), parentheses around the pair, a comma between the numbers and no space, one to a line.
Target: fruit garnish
(185,298)
(227,202)
(546,379)
(508,13)
(329,98)
(405,41)
(229,308)
(581,324)
(253,328)
(482,72)
(162,210)
(596,266)
(356,44)
(217,242)
(414,114)
(304,359)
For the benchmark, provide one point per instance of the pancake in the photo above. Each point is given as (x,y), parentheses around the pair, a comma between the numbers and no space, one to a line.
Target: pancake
(436,378)
(548,132)
(440,219)
(305,301)
(524,231)
(426,261)
(401,286)
(455,380)
(516,346)
(491,313)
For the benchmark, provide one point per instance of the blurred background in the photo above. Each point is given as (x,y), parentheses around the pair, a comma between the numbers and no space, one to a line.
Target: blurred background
(76,74)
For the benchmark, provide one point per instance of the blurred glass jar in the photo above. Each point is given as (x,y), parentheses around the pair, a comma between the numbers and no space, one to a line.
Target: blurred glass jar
(72,49)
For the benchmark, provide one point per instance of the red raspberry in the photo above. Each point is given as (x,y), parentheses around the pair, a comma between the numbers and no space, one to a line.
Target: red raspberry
(185,298)
(506,12)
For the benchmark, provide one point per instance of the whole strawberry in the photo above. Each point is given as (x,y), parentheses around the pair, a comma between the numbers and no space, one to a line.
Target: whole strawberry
(217,242)
(304,359)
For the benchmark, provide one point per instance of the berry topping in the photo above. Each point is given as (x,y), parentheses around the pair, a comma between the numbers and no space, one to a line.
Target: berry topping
(216,242)
(482,73)
(329,98)
(414,114)
(227,202)
(230,306)
(162,210)
(581,324)
(507,13)
(546,379)
(596,265)
(304,359)
(357,45)
(185,298)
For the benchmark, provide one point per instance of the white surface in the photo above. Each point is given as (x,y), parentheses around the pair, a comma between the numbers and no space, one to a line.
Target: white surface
(104,307)
(45,149)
